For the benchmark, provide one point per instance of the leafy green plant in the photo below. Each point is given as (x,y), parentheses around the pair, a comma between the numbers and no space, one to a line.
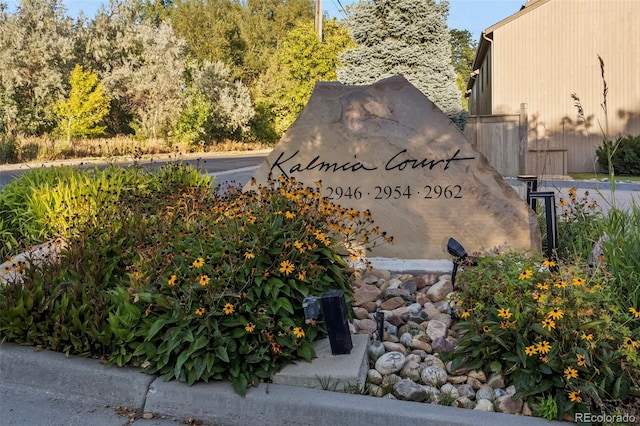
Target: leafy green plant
(578,224)
(191,284)
(621,155)
(546,407)
(553,330)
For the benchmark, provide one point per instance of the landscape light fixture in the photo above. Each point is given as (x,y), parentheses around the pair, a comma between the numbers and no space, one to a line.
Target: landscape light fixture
(456,250)
(334,312)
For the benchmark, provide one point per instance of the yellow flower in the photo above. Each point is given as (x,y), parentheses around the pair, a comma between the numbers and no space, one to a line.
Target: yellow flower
(465,314)
(504,325)
(636,314)
(549,324)
(289,215)
(302,275)
(578,282)
(200,311)
(276,348)
(582,362)
(198,262)
(249,255)
(526,274)
(562,202)
(544,359)
(531,350)
(555,313)
(486,329)
(504,313)
(587,337)
(543,347)
(570,373)
(298,245)
(204,280)
(549,263)
(542,286)
(228,309)
(630,343)
(286,267)
(561,284)
(172,281)
(298,332)
(249,328)
(575,396)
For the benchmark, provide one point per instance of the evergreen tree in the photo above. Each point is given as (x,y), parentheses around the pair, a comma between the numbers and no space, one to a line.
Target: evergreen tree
(408,37)
(84,108)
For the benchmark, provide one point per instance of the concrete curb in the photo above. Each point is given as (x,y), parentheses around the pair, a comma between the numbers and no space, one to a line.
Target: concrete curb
(80,379)
(73,378)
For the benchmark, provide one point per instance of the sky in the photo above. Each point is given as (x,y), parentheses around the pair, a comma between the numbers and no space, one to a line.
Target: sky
(471,15)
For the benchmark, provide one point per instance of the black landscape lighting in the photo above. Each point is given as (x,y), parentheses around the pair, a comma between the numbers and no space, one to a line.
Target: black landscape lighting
(456,250)
(532,186)
(334,312)
(380,322)
(549,198)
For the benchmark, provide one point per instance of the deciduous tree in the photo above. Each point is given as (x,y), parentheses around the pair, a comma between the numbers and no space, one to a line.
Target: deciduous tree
(463,51)
(85,107)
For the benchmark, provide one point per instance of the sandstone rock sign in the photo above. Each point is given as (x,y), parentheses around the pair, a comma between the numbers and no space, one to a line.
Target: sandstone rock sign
(387,148)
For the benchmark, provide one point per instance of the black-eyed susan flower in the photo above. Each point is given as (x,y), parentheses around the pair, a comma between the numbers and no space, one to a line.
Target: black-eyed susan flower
(465,314)
(276,348)
(560,284)
(531,350)
(286,267)
(250,328)
(630,343)
(504,313)
(543,347)
(555,313)
(526,274)
(299,246)
(228,309)
(198,262)
(203,280)
(172,280)
(636,313)
(249,255)
(548,324)
(582,361)
(542,286)
(570,373)
(486,329)
(200,311)
(578,282)
(289,215)
(587,337)
(574,396)
(298,332)
(549,263)
(302,275)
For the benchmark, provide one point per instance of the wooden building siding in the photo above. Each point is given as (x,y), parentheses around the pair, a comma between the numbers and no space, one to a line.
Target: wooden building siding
(546,52)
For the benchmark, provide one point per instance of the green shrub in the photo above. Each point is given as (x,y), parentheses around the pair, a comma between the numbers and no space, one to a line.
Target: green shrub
(625,155)
(557,334)
(578,226)
(190,284)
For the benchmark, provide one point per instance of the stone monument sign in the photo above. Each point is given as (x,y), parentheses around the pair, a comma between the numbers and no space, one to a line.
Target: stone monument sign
(387,148)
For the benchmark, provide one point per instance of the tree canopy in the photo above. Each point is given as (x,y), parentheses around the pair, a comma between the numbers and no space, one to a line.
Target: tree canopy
(408,37)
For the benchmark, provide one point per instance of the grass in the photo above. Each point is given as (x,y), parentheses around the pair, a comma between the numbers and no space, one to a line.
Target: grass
(601,176)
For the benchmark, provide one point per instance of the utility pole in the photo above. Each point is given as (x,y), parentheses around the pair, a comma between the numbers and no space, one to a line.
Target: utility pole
(319,19)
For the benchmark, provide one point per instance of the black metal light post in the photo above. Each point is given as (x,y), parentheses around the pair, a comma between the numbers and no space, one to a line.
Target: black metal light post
(549,198)
(532,186)
(334,312)
(456,250)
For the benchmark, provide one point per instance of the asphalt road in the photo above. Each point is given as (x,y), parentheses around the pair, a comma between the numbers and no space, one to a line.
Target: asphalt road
(211,163)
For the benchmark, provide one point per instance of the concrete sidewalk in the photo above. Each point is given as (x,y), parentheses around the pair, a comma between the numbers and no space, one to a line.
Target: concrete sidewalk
(84,391)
